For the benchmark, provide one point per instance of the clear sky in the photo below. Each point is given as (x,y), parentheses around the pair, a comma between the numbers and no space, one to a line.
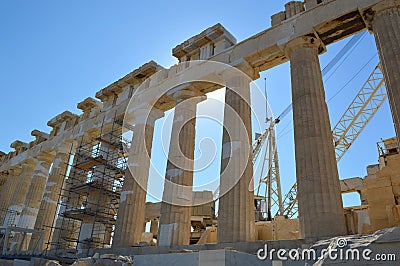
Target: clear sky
(54,54)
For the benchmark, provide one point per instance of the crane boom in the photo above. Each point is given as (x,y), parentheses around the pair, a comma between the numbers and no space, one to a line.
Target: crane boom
(361,110)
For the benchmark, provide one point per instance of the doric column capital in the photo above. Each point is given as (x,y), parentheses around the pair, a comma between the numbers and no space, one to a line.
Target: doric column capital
(15,171)
(370,15)
(46,157)
(142,114)
(303,41)
(385,5)
(29,164)
(189,92)
(3,177)
(186,94)
(66,147)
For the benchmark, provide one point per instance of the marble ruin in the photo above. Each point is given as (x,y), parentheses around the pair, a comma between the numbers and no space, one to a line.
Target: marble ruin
(72,190)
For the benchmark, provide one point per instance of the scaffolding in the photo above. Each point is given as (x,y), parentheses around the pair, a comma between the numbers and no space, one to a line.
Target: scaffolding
(89,199)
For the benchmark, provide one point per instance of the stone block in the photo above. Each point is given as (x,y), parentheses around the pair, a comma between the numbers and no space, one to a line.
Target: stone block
(147,237)
(265,230)
(380,196)
(277,18)
(378,182)
(396,190)
(378,211)
(371,171)
(395,178)
(6,262)
(43,262)
(293,8)
(310,4)
(21,263)
(243,259)
(187,259)
(367,229)
(209,236)
(212,257)
(378,224)
(393,213)
(287,229)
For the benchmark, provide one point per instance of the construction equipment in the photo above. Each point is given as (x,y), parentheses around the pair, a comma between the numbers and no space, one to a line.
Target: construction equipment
(271,182)
(361,110)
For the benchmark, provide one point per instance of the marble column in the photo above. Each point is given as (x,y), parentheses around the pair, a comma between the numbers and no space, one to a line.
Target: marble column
(48,205)
(69,228)
(386,28)
(35,194)
(319,197)
(131,211)
(98,200)
(236,204)
(3,180)
(20,193)
(7,191)
(176,207)
(154,227)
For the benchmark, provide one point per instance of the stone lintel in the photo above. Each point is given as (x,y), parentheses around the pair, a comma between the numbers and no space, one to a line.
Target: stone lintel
(88,104)
(353,184)
(211,34)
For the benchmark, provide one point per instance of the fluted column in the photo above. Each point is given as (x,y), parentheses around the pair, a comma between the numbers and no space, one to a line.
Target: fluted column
(35,191)
(68,228)
(131,212)
(3,180)
(176,207)
(386,28)
(48,205)
(7,191)
(35,195)
(236,204)
(20,192)
(319,196)
(154,226)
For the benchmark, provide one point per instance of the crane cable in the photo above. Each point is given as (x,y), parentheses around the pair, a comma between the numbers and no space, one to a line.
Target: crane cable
(347,49)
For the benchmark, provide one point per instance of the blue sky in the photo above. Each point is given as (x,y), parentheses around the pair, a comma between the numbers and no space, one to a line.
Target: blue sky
(54,54)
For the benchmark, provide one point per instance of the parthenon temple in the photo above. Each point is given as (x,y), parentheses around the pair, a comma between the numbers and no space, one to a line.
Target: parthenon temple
(80,190)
